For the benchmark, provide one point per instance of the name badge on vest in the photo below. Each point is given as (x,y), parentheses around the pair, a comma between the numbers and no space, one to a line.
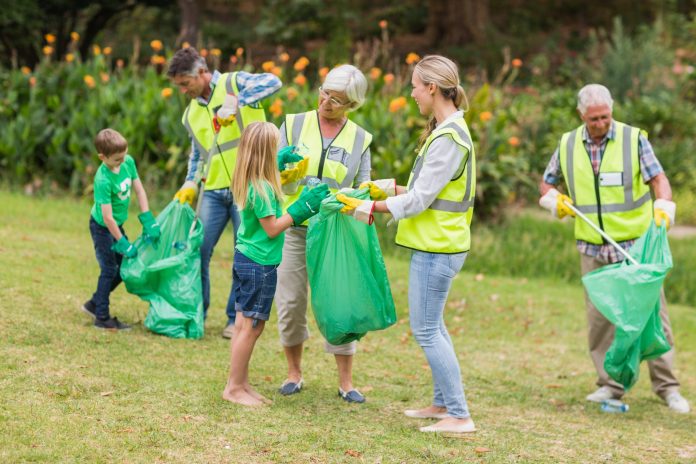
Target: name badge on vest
(610,179)
(338,154)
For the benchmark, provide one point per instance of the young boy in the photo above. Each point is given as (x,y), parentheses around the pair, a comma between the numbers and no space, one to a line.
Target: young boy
(112,191)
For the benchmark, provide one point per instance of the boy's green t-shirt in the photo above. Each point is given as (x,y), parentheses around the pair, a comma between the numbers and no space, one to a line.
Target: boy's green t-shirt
(115,189)
(252,240)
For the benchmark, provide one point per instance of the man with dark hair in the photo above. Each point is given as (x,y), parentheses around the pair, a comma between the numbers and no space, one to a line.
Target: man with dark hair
(235,103)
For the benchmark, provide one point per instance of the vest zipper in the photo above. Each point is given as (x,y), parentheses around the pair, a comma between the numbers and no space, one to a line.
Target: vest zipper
(320,170)
(596,186)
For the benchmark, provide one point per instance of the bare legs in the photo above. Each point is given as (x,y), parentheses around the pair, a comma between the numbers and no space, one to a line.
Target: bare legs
(238,390)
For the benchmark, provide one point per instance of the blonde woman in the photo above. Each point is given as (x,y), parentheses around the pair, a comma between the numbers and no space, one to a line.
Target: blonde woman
(434,213)
(256,188)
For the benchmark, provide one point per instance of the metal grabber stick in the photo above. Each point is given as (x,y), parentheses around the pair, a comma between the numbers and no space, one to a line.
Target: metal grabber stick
(601,232)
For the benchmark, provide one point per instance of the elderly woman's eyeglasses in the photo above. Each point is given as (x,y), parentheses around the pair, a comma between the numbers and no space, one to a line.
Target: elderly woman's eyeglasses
(332,100)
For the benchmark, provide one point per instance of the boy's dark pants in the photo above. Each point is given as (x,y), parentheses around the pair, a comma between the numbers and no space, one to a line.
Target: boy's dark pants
(110,265)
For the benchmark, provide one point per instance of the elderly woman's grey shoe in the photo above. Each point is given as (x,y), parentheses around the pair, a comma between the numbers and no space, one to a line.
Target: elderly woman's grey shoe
(353,396)
(290,388)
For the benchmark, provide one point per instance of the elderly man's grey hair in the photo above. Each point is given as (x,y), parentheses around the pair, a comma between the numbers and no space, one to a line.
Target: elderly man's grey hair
(593,95)
(349,80)
(186,62)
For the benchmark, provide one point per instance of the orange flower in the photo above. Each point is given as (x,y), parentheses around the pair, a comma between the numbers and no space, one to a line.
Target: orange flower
(107,51)
(513,141)
(216,52)
(383,24)
(47,50)
(156,45)
(32,81)
(388,78)
(120,63)
(104,77)
(167,92)
(397,104)
(50,38)
(96,49)
(276,108)
(157,59)
(233,59)
(268,66)
(292,93)
(69,57)
(485,116)
(277,70)
(412,58)
(284,57)
(301,63)
(516,63)
(323,72)
(185,45)
(375,73)
(89,81)
(26,70)
(74,36)
(239,52)
(300,79)
(203,52)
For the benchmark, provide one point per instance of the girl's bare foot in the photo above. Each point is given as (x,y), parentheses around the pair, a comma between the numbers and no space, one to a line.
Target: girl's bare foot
(255,394)
(240,396)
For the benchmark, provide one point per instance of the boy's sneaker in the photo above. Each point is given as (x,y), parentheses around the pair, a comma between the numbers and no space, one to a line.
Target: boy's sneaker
(111,324)
(90,308)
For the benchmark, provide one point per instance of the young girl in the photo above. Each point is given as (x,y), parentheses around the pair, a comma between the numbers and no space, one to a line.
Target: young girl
(434,213)
(256,188)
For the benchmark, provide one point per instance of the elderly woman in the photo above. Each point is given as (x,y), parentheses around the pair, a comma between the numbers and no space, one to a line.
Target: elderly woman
(338,153)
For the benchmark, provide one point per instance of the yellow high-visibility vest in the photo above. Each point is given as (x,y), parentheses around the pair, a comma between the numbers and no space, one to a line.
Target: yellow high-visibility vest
(336,165)
(198,120)
(444,226)
(616,199)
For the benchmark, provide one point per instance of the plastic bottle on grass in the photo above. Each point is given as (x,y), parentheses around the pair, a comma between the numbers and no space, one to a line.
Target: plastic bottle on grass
(614,406)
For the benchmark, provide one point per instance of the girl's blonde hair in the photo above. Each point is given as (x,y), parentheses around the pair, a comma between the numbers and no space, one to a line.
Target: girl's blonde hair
(441,71)
(256,163)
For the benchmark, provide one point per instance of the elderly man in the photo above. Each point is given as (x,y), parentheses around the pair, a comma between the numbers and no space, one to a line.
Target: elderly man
(609,169)
(237,96)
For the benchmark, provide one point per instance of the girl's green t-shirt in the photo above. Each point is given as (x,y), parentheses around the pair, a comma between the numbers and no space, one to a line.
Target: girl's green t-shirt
(115,189)
(252,240)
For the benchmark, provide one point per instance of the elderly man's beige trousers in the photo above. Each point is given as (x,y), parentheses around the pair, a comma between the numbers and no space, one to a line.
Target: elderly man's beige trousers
(601,335)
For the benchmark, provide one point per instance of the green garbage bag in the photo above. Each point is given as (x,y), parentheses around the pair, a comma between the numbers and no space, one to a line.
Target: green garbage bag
(350,289)
(629,297)
(168,275)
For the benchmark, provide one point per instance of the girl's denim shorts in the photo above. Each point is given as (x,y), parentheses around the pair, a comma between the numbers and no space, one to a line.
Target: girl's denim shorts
(254,285)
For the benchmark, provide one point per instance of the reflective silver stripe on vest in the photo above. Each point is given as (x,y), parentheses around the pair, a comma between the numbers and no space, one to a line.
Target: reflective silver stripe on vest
(569,164)
(451,206)
(297,128)
(239,118)
(628,204)
(355,157)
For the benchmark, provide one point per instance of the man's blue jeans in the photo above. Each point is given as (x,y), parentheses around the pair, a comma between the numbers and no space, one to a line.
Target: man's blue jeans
(430,279)
(217,209)
(109,265)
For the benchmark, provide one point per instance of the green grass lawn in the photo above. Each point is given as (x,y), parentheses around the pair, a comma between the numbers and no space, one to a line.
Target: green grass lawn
(71,393)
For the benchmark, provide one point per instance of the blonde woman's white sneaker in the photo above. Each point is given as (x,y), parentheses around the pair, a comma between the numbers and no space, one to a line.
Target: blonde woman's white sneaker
(461,427)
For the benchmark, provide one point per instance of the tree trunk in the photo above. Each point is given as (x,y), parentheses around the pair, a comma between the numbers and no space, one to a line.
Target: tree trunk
(190,15)
(456,22)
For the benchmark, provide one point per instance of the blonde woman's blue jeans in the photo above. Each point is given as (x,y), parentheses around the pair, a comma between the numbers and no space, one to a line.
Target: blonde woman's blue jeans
(430,279)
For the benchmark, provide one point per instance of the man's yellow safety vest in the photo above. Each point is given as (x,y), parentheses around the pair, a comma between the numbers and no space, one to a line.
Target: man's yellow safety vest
(198,120)
(616,200)
(444,226)
(336,165)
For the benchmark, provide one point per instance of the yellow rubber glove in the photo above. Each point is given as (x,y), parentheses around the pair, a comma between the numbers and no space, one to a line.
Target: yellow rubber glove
(295,174)
(660,217)
(561,209)
(187,193)
(349,202)
(380,189)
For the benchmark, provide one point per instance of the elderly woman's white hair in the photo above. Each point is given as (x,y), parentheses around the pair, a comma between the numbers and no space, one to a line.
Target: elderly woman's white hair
(593,95)
(349,80)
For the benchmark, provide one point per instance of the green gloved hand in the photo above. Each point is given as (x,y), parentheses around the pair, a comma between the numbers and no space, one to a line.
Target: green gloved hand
(287,155)
(150,226)
(125,248)
(308,204)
